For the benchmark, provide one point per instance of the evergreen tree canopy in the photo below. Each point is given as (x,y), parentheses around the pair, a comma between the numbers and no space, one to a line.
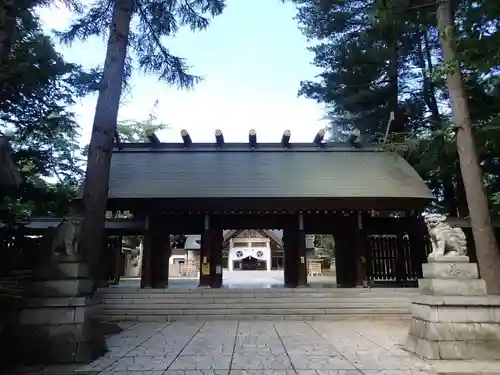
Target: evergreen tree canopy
(135,29)
(150,21)
(37,88)
(379,57)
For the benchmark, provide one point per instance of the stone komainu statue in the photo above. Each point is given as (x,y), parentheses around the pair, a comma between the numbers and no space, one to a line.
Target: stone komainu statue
(445,240)
(65,240)
(133,255)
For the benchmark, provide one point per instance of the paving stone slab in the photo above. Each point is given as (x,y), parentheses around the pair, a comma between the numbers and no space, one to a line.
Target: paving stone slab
(316,362)
(196,372)
(202,362)
(329,372)
(397,372)
(154,372)
(141,364)
(260,362)
(262,372)
(263,348)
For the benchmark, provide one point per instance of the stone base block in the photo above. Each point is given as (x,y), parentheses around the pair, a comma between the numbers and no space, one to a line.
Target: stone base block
(448,331)
(453,328)
(453,350)
(452,287)
(61,288)
(456,314)
(448,259)
(453,318)
(59,330)
(55,311)
(442,270)
(62,270)
(58,344)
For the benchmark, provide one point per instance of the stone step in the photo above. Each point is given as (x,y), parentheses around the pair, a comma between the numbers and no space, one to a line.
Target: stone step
(269,292)
(131,300)
(253,312)
(277,305)
(339,317)
(253,295)
(250,317)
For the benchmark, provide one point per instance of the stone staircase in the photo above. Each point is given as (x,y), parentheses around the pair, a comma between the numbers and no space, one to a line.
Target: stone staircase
(127,303)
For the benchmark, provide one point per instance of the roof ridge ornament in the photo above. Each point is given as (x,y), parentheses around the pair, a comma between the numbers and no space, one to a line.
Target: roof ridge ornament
(285,139)
(252,138)
(318,139)
(219,138)
(151,136)
(186,138)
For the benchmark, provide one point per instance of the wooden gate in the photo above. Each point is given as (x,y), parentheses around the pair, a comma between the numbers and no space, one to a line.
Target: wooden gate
(390,257)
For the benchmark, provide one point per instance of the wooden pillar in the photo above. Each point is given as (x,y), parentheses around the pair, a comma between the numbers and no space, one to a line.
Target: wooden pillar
(401,260)
(146,281)
(106,265)
(361,246)
(294,243)
(416,235)
(216,258)
(301,253)
(118,259)
(160,252)
(345,232)
(291,257)
(206,254)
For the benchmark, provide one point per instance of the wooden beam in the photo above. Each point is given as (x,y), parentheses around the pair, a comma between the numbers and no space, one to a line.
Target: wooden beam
(219,206)
(43,223)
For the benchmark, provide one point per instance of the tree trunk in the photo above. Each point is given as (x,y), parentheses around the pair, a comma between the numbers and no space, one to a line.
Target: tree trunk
(392,73)
(7,28)
(449,198)
(488,255)
(95,193)
(463,209)
(429,96)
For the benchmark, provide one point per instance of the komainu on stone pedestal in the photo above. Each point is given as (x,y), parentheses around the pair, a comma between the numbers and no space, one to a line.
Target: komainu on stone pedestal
(453,318)
(58,322)
(65,241)
(445,240)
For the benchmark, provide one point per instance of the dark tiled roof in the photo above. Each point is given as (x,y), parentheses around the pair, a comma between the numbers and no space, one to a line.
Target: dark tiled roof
(236,171)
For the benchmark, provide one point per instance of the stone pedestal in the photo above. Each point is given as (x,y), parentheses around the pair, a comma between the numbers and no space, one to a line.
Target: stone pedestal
(453,318)
(58,323)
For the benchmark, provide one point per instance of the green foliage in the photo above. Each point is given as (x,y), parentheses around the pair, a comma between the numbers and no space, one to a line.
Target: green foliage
(135,130)
(152,21)
(383,56)
(135,29)
(37,88)
(324,246)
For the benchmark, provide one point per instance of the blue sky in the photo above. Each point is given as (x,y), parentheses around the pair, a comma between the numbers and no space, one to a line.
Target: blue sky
(252,58)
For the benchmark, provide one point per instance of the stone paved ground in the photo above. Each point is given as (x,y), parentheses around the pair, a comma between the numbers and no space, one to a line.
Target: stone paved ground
(262,348)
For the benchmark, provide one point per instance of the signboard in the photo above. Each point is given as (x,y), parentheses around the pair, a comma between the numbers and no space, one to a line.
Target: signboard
(302,260)
(205,269)
(218,270)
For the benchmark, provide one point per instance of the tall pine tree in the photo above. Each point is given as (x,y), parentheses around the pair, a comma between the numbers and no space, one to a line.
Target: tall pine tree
(142,43)
(484,237)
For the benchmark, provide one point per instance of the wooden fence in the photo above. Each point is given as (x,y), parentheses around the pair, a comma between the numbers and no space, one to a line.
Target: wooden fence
(389,260)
